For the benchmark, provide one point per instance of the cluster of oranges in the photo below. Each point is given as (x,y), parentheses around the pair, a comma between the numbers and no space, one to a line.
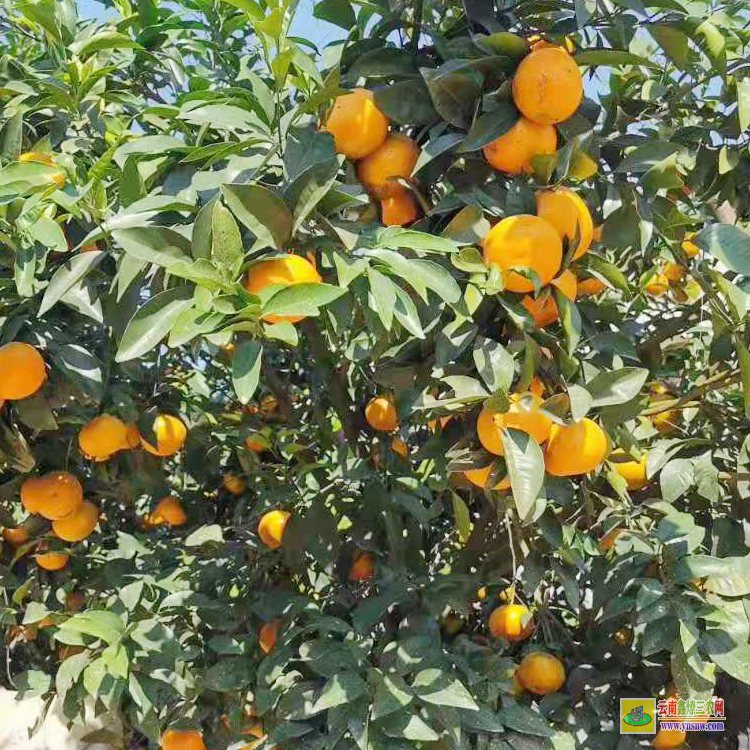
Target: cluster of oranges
(672,278)
(360,132)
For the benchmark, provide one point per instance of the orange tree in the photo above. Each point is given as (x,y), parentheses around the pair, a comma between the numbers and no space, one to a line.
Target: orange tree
(390,393)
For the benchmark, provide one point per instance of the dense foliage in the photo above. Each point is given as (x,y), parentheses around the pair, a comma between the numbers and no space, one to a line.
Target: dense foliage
(150,160)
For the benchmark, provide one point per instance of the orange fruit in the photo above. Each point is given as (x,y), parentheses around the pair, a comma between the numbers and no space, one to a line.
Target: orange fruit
(575,449)
(79,524)
(544,308)
(399,208)
(513,152)
(524,241)
(507,621)
(633,472)
(16,537)
(400,447)
(41,158)
(170,435)
(607,542)
(666,421)
(568,214)
(268,635)
(54,495)
(271,527)
(657,285)
(132,437)
(548,86)
(21,371)
(666,739)
(541,673)
(381,415)
(536,386)
(590,287)
(90,248)
(538,42)
(482,593)
(358,127)
(256,446)
(395,158)
(102,436)
(442,421)
(673,272)
(52,560)
(688,247)
(234,484)
(479,478)
(291,269)
(170,510)
(523,415)
(362,568)
(517,687)
(598,233)
(254,731)
(182,739)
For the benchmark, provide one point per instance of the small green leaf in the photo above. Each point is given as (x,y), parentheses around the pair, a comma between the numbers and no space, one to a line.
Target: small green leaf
(525,462)
(248,357)
(262,211)
(226,242)
(97,623)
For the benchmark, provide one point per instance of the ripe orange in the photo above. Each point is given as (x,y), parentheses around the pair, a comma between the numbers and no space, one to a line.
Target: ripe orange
(102,436)
(689,247)
(291,269)
(254,731)
(396,157)
(362,568)
(400,447)
(538,42)
(234,484)
(268,635)
(271,527)
(182,739)
(633,472)
(541,673)
(673,272)
(255,445)
(170,435)
(524,241)
(568,214)
(52,560)
(54,495)
(381,415)
(590,287)
(170,510)
(536,386)
(132,437)
(399,208)
(442,421)
(523,415)
(657,285)
(513,152)
(575,449)
(548,86)
(21,371)
(598,232)
(58,178)
(358,127)
(666,739)
(479,478)
(16,537)
(666,421)
(507,621)
(607,542)
(79,524)
(544,308)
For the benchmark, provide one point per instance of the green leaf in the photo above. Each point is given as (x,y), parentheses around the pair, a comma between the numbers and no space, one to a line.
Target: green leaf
(435,686)
(611,57)
(743,102)
(248,357)
(494,364)
(432,149)
(469,227)
(395,237)
(67,276)
(406,103)
(454,88)
(523,719)
(341,688)
(616,386)
(338,12)
(732,657)
(159,245)
(262,211)
(673,41)
(153,321)
(730,244)
(205,534)
(383,292)
(643,158)
(253,10)
(226,242)
(307,148)
(461,517)
(11,138)
(301,299)
(101,41)
(743,355)
(407,725)
(131,187)
(97,623)
(32,683)
(391,694)
(489,126)
(525,462)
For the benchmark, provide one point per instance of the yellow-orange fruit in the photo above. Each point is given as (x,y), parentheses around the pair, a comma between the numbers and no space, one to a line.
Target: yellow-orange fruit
(16,537)
(399,208)
(291,269)
(607,542)
(523,415)
(234,484)
(132,437)
(396,158)
(22,371)
(400,447)
(673,272)
(170,510)
(666,739)
(541,673)
(479,477)
(544,308)
(657,285)
(381,415)
(512,153)
(268,635)
(598,232)
(590,287)
(79,524)
(255,445)
(54,495)
(271,527)
(362,568)
(536,386)
(575,449)
(538,42)
(358,127)
(102,436)
(507,621)
(569,215)
(254,731)
(170,434)
(633,472)
(182,739)
(666,421)
(527,242)
(52,560)
(688,247)
(548,86)
(442,421)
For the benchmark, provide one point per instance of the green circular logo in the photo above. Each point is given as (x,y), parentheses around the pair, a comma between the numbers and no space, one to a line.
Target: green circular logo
(640,719)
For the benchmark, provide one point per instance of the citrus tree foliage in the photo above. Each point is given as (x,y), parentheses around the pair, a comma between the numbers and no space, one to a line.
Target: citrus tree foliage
(189,141)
